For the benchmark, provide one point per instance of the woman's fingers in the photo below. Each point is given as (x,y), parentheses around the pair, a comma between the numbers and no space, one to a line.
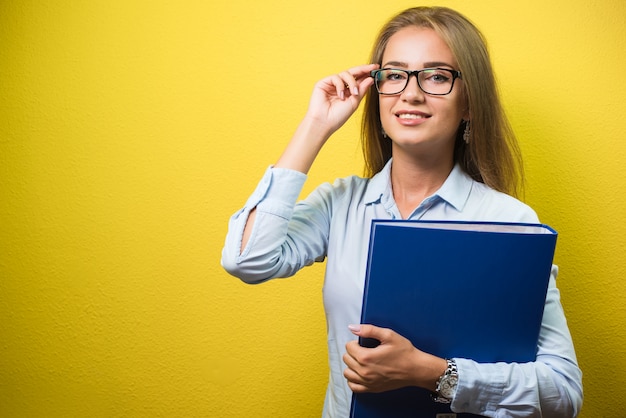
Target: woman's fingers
(353,81)
(349,82)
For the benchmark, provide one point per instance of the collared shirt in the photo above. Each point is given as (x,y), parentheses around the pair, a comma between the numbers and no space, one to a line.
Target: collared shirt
(333,223)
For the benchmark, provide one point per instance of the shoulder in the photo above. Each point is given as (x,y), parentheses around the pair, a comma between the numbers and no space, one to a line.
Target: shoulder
(328,200)
(345,188)
(498,206)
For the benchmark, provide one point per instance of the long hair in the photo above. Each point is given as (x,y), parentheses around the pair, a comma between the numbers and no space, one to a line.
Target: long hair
(492,155)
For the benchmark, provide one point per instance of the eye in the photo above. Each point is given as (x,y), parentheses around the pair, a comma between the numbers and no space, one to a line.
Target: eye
(437,76)
(393,75)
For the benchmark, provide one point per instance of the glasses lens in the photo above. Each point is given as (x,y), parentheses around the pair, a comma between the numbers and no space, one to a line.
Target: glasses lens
(436,81)
(391,81)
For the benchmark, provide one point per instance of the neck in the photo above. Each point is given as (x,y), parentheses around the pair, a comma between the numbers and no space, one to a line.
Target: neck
(413,180)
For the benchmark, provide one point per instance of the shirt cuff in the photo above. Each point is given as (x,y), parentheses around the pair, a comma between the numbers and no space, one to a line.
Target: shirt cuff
(476,392)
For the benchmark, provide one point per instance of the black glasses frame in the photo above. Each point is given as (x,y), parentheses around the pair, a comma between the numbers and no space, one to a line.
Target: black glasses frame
(455,74)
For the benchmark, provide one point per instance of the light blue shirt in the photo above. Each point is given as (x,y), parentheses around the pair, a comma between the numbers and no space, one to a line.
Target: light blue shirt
(333,223)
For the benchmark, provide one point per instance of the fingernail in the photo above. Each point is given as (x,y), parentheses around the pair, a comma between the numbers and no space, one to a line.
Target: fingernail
(342,95)
(355,91)
(354,328)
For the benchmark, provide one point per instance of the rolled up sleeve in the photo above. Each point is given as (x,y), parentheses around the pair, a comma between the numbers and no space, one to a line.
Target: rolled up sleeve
(264,256)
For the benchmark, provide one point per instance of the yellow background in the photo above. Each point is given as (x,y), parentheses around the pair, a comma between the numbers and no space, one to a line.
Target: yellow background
(131,130)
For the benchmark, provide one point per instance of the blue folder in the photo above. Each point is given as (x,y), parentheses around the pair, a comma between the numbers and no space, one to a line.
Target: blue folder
(455,289)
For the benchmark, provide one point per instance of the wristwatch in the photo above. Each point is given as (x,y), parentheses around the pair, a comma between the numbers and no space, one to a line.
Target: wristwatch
(446,386)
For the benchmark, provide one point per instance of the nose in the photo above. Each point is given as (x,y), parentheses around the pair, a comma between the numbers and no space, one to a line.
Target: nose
(412,92)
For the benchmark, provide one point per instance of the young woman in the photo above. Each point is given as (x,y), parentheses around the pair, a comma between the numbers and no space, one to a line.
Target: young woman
(437,146)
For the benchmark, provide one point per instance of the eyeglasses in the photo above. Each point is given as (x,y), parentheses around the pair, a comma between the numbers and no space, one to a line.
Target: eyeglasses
(434,81)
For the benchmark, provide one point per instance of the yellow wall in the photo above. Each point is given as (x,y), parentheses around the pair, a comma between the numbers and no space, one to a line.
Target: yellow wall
(131,130)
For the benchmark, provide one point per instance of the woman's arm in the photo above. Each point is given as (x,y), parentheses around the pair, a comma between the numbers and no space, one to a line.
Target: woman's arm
(258,254)
(551,386)
(333,101)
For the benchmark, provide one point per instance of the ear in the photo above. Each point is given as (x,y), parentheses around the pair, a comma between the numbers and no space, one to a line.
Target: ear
(466,114)
(465,100)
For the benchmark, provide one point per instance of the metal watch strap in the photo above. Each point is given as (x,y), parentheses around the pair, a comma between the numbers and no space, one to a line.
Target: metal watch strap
(446,385)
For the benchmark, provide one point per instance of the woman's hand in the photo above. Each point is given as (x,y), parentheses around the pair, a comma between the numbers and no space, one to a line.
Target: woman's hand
(395,363)
(336,97)
(334,100)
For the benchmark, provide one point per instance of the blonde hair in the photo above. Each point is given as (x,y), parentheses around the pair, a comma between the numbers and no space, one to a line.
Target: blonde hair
(492,155)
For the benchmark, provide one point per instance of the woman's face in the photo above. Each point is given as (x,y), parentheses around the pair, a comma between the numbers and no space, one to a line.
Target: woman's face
(416,121)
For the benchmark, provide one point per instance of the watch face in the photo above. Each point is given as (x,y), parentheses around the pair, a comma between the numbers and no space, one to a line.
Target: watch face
(448,386)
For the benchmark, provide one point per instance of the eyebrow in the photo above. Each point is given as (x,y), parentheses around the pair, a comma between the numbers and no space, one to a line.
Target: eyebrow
(430,64)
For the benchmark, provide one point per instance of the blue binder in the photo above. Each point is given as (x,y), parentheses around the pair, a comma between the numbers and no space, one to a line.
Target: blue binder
(455,289)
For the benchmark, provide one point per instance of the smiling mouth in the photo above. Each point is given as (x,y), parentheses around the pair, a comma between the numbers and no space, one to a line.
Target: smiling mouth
(410,116)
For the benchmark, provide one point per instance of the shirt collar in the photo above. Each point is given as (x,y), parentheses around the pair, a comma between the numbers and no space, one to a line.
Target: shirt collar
(455,190)
(379,185)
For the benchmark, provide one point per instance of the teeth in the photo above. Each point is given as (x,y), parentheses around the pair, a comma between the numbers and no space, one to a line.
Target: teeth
(410,116)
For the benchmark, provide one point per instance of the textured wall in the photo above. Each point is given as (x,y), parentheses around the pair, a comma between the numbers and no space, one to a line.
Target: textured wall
(131,130)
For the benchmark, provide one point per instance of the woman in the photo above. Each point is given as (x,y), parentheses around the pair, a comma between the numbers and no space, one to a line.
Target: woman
(437,146)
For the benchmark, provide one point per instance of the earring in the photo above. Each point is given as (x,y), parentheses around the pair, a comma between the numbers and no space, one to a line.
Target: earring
(467,132)
(384,133)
